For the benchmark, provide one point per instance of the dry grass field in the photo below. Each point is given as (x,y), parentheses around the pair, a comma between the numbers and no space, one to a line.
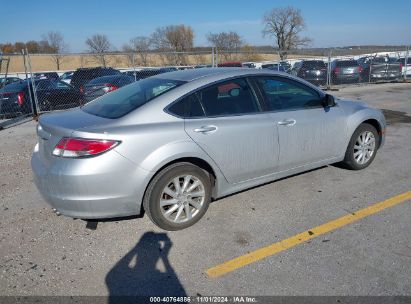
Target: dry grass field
(72,62)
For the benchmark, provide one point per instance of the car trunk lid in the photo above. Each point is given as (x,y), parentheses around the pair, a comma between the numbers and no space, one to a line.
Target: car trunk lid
(91,92)
(53,127)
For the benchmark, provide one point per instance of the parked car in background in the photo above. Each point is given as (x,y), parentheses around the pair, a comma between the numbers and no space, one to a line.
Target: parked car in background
(314,71)
(382,68)
(82,76)
(51,95)
(405,68)
(249,65)
(66,77)
(345,71)
(231,64)
(273,66)
(142,74)
(199,66)
(105,84)
(169,144)
(286,65)
(46,75)
(7,80)
(167,69)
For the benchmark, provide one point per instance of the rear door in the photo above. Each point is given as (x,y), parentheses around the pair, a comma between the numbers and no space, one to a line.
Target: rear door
(307,131)
(227,123)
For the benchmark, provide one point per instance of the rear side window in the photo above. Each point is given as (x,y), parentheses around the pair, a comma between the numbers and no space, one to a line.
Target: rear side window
(231,97)
(124,100)
(188,107)
(284,94)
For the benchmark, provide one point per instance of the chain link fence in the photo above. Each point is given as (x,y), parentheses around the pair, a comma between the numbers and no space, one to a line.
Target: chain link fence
(31,84)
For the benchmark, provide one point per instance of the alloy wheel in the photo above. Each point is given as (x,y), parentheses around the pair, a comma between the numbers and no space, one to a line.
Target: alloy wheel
(182,199)
(364,147)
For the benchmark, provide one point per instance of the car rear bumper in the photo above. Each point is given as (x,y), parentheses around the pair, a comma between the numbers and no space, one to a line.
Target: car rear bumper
(316,81)
(9,108)
(385,76)
(106,186)
(346,78)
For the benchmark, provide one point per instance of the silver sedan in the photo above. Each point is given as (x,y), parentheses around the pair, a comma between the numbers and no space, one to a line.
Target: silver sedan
(170,144)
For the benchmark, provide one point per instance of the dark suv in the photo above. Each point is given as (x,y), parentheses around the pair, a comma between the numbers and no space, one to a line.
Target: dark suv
(314,71)
(345,71)
(84,75)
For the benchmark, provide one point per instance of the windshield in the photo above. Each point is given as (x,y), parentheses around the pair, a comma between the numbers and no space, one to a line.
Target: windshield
(123,101)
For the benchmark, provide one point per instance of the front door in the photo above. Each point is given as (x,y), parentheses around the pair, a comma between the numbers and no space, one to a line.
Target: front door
(308,132)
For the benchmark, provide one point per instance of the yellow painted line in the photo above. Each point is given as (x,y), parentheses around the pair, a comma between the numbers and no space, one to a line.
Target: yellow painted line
(295,240)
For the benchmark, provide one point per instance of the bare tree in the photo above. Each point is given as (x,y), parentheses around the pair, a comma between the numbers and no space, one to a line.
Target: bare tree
(175,38)
(99,44)
(140,45)
(56,45)
(285,24)
(226,43)
(32,47)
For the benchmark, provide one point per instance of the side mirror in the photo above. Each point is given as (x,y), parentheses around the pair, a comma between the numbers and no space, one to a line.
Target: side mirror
(328,101)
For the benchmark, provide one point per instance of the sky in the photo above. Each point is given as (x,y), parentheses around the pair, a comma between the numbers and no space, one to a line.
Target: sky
(328,23)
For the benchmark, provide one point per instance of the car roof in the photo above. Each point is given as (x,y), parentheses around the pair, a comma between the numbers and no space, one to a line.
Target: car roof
(199,77)
(194,74)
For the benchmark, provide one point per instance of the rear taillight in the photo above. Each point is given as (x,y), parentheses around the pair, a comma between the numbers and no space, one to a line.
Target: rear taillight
(401,66)
(109,87)
(20,98)
(360,69)
(81,89)
(337,70)
(78,147)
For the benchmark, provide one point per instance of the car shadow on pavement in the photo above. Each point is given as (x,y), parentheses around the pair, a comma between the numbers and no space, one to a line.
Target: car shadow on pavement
(145,271)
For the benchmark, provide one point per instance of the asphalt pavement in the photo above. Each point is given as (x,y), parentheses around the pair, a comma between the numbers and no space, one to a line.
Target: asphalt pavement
(45,254)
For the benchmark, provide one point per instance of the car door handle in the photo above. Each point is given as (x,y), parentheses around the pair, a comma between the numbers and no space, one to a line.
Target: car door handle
(287,122)
(205,129)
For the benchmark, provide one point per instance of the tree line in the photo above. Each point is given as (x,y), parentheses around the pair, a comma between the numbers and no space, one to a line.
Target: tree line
(283,24)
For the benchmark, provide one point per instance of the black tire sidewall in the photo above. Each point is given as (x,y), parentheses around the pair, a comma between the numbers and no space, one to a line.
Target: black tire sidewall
(154,190)
(349,160)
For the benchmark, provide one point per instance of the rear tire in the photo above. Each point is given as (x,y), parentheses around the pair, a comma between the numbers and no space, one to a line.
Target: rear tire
(362,147)
(178,196)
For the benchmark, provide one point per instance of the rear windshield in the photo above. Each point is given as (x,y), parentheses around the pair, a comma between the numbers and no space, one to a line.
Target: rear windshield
(103,79)
(15,86)
(123,101)
(314,64)
(346,63)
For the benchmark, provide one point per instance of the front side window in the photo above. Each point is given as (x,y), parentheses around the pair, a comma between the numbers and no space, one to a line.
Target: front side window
(231,97)
(283,95)
(121,102)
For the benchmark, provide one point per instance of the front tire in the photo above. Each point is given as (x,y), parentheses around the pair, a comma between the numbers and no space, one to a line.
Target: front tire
(362,147)
(178,196)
